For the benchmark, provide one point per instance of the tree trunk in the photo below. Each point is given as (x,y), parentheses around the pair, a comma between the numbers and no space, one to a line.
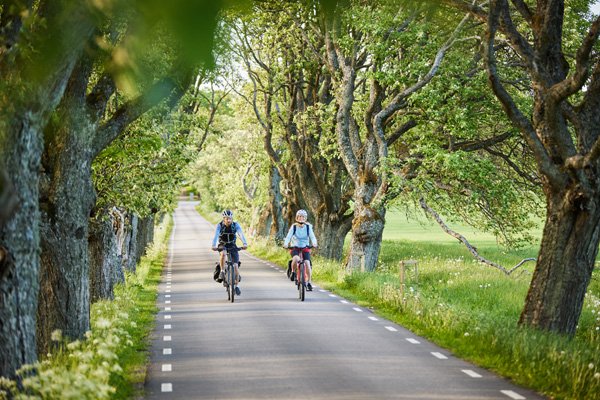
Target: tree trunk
(132,249)
(566,259)
(105,262)
(145,235)
(331,235)
(19,247)
(24,113)
(278,226)
(64,300)
(367,230)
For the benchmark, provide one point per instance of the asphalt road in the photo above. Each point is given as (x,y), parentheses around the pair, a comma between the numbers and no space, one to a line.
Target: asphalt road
(269,345)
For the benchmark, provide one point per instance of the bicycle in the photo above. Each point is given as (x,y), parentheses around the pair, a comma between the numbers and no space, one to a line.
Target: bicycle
(301,280)
(229,281)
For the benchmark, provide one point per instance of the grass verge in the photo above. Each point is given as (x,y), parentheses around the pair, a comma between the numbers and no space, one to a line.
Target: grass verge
(110,362)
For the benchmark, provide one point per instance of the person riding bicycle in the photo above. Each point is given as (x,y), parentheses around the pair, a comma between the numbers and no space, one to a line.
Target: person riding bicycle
(299,237)
(226,234)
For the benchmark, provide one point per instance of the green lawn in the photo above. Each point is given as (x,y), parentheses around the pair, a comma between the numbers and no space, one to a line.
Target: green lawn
(416,227)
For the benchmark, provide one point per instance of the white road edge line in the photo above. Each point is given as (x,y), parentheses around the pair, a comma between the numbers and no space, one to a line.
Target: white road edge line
(168,326)
(166,338)
(167,308)
(357,309)
(439,355)
(343,302)
(373,319)
(167,368)
(391,329)
(512,395)
(168,302)
(166,387)
(167,351)
(167,317)
(471,373)
(332,295)
(413,341)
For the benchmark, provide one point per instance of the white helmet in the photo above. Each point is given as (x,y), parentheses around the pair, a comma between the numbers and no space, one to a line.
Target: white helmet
(301,213)
(227,213)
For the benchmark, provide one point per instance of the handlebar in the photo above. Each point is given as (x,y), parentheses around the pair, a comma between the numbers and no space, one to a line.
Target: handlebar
(219,248)
(299,248)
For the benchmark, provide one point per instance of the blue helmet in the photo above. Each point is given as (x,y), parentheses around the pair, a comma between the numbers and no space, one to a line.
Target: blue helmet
(227,214)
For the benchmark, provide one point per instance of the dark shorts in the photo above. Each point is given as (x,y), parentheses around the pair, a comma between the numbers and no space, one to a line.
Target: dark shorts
(305,253)
(235,256)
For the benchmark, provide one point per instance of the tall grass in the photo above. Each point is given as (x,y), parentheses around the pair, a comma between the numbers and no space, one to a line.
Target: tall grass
(472,310)
(110,362)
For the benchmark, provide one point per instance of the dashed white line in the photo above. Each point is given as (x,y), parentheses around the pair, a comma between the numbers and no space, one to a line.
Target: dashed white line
(166,338)
(332,295)
(373,319)
(391,329)
(166,368)
(167,317)
(323,291)
(167,295)
(168,302)
(512,395)
(357,309)
(167,308)
(167,351)
(168,291)
(413,341)
(343,302)
(439,355)
(168,326)
(166,387)
(471,373)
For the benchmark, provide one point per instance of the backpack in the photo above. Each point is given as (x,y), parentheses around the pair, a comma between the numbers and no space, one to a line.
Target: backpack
(307,229)
(217,273)
(234,227)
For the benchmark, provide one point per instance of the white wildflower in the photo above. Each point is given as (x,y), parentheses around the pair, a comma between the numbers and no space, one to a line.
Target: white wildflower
(56,336)
(102,323)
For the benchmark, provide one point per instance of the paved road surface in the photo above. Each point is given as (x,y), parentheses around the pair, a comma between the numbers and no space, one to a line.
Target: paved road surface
(269,345)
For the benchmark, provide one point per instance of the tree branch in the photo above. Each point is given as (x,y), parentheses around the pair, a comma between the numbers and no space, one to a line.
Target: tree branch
(398,133)
(523,10)
(464,241)
(510,107)
(481,144)
(170,88)
(98,98)
(575,82)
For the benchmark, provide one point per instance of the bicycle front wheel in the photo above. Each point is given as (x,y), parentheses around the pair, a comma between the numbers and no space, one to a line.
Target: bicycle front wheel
(232,282)
(302,284)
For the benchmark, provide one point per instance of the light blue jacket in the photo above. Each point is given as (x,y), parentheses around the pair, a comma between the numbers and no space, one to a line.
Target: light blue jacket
(301,237)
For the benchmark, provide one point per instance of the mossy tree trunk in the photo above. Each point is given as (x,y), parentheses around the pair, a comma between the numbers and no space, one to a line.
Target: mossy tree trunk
(29,99)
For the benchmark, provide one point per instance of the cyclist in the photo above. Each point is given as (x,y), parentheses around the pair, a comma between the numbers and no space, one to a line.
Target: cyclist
(300,235)
(226,234)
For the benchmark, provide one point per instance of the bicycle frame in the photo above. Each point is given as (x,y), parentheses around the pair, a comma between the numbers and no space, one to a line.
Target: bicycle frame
(301,276)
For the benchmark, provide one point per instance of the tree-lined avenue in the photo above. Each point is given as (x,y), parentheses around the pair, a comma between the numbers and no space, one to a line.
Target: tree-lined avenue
(270,345)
